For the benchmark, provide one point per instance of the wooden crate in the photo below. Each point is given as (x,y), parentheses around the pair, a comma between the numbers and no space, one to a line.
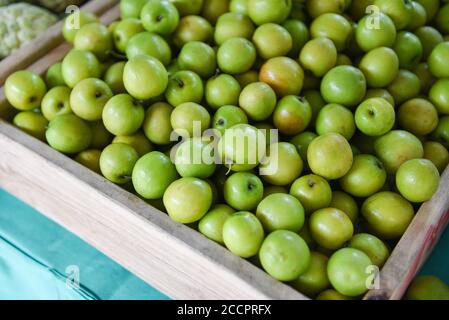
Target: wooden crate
(175,259)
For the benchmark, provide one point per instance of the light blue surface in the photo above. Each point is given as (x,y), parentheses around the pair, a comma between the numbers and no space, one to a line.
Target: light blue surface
(37,256)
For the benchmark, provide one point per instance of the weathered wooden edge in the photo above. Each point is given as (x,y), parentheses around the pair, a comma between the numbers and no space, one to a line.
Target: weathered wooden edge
(415,246)
(51,38)
(172,257)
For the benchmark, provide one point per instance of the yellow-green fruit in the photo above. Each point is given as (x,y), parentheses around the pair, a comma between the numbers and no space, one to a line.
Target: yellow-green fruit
(315,279)
(428,288)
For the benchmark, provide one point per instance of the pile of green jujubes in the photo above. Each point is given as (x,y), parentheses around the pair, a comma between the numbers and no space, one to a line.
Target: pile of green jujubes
(302,136)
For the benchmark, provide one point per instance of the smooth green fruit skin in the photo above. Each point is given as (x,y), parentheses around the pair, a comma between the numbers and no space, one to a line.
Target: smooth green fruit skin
(243,234)
(430,38)
(313,191)
(53,77)
(233,25)
(145,77)
(380,66)
(441,133)
(101,137)
(331,294)
(399,11)
(418,16)
(330,156)
(284,255)
(344,85)
(186,117)
(417,180)
(330,228)
(222,90)
(442,19)
(195,158)
(243,191)
(150,44)
(284,75)
(404,87)
(211,225)
(418,116)
(184,86)
(24,90)
(302,142)
(198,57)
(428,288)
(138,141)
(117,162)
(299,33)
(187,200)
(79,65)
(375,117)
(431,7)
(188,7)
(114,77)
(131,8)
(388,214)
(122,115)
(236,56)
(335,118)
(71,27)
(258,100)
(437,153)
(282,164)
(96,38)
(380,93)
(272,40)
(160,17)
(281,212)
(239,6)
(318,56)
(227,117)
(152,175)
(333,26)
(89,97)
(32,123)
(124,31)
(157,126)
(438,60)
(68,134)
(192,28)
(56,102)
(409,49)
(238,154)
(292,115)
(369,38)
(372,246)
(90,159)
(348,271)
(265,11)
(345,203)
(366,177)
(315,279)
(396,147)
(439,96)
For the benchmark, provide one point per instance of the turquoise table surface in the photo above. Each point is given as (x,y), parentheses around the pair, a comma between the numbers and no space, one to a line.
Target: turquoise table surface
(41,260)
